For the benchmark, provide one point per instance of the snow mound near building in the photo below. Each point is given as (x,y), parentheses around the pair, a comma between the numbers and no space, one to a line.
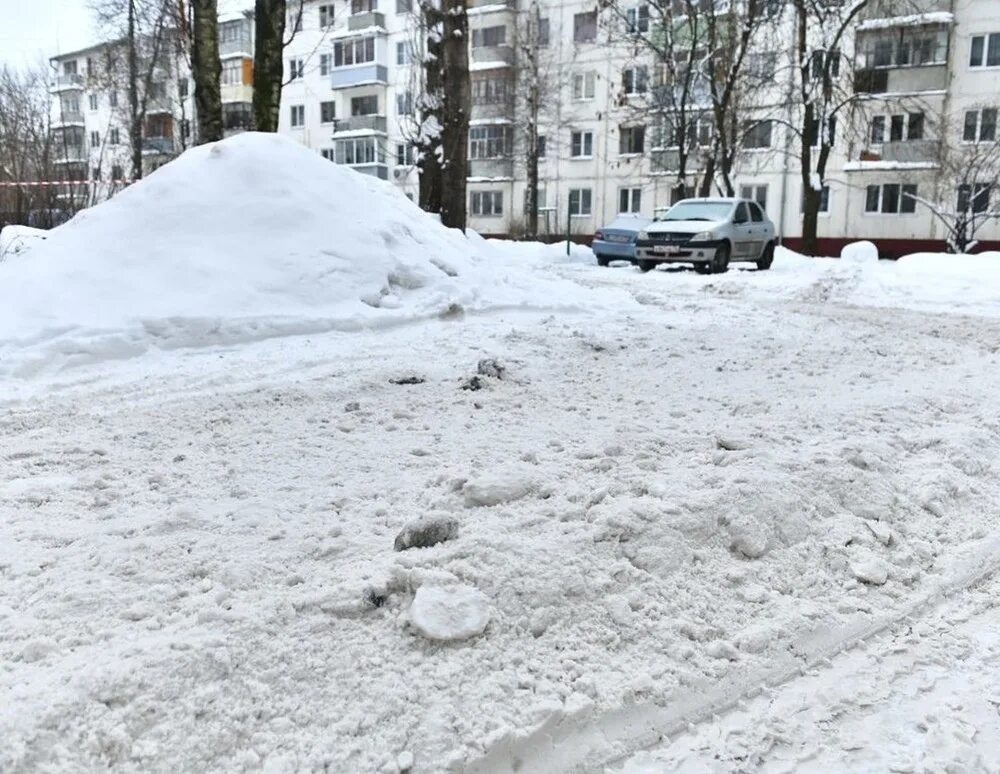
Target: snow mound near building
(244,239)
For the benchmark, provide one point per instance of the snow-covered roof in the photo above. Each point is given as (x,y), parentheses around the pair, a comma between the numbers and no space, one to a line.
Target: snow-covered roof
(363,32)
(911,20)
(874,166)
(489,121)
(496,65)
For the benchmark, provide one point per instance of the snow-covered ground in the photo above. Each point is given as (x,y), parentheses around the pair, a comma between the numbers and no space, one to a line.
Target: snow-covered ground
(667,491)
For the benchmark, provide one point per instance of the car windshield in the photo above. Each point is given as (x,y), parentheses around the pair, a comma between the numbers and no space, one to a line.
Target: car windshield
(699,211)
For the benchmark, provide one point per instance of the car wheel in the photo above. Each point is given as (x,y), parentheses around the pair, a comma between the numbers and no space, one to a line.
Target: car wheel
(766,258)
(603,260)
(645,266)
(703,268)
(720,264)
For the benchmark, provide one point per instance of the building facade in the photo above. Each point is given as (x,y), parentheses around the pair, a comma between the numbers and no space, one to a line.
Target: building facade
(921,78)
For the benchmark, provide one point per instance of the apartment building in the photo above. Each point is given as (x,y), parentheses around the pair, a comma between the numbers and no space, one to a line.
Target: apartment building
(924,76)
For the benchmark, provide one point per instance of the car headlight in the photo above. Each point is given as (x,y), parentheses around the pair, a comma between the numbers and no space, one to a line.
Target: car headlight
(703,236)
(642,235)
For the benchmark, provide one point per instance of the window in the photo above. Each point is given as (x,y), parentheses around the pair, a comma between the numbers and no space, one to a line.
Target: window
(757,134)
(327,153)
(69,68)
(404,154)
(157,90)
(326,16)
(583,85)
(915,126)
(404,52)
(487,203)
(182,88)
(814,134)
(232,72)
(489,36)
(363,6)
(116,173)
(891,198)
(821,59)
(113,137)
(489,142)
(629,199)
(543,32)
(631,139)
(634,79)
(359,150)
(877,132)
(113,99)
(637,19)
(539,200)
(974,197)
(404,6)
(980,125)
(585,27)
(92,101)
(364,106)
(907,46)
(755,193)
(579,202)
(350,52)
(327,112)
(296,69)
(756,215)
(985,50)
(294,23)
(490,88)
(541,146)
(581,145)
(325,61)
(298,115)
(901,127)
(404,104)
(824,199)
(667,132)
(95,139)
(762,64)
(69,105)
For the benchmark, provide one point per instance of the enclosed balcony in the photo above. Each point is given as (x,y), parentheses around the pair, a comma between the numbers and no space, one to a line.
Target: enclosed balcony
(359,60)
(493,54)
(372,124)
(491,168)
(71,82)
(903,54)
(363,21)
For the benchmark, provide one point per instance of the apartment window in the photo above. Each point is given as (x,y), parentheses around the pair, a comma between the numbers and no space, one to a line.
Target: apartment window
(629,200)
(755,193)
(487,203)
(539,201)
(584,85)
(294,23)
(327,153)
(69,105)
(543,32)
(404,53)
(814,133)
(404,6)
(363,6)
(634,79)
(404,104)
(69,68)
(325,62)
(327,112)
(489,36)
(350,52)
(585,27)
(581,145)
(360,150)
(326,16)
(877,131)
(232,72)
(579,202)
(364,106)
(637,19)
(762,64)
(95,139)
(891,199)
(113,99)
(980,125)
(823,59)
(404,154)
(974,197)
(182,88)
(157,90)
(824,200)
(113,137)
(985,50)
(631,140)
(297,68)
(757,134)
(541,146)
(92,101)
(907,46)
(667,132)
(490,89)
(116,173)
(489,142)
(298,115)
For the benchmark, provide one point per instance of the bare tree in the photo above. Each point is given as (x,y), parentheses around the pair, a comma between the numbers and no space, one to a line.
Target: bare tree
(207,69)
(269,45)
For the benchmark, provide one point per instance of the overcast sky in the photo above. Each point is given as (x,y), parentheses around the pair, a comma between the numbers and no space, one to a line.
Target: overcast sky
(34,30)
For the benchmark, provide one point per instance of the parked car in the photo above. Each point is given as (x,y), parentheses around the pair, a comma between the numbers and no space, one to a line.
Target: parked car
(616,241)
(709,233)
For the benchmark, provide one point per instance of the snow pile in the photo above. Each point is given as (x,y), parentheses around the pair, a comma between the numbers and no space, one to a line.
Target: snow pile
(16,241)
(859,253)
(244,239)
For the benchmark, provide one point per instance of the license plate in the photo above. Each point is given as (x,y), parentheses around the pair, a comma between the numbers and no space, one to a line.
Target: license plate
(666,249)
(619,238)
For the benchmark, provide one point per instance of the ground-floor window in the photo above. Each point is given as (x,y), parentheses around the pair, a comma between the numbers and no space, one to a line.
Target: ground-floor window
(629,199)
(359,150)
(487,203)
(891,198)
(579,202)
(755,193)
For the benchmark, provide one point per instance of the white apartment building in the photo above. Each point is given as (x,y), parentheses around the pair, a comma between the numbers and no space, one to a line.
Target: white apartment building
(927,74)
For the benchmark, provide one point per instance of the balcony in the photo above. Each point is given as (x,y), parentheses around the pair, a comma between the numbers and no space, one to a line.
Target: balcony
(71,154)
(504,4)
(493,110)
(238,46)
(362,21)
(669,160)
(72,82)
(912,151)
(68,118)
(359,75)
(492,168)
(491,54)
(360,124)
(160,146)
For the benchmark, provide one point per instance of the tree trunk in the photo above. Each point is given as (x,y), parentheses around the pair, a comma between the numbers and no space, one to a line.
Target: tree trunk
(269,29)
(207,70)
(455,112)
(135,117)
(429,141)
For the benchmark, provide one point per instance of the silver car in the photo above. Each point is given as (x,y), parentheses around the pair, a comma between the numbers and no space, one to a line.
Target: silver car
(708,233)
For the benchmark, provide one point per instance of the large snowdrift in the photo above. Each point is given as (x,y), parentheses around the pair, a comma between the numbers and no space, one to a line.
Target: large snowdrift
(251,237)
